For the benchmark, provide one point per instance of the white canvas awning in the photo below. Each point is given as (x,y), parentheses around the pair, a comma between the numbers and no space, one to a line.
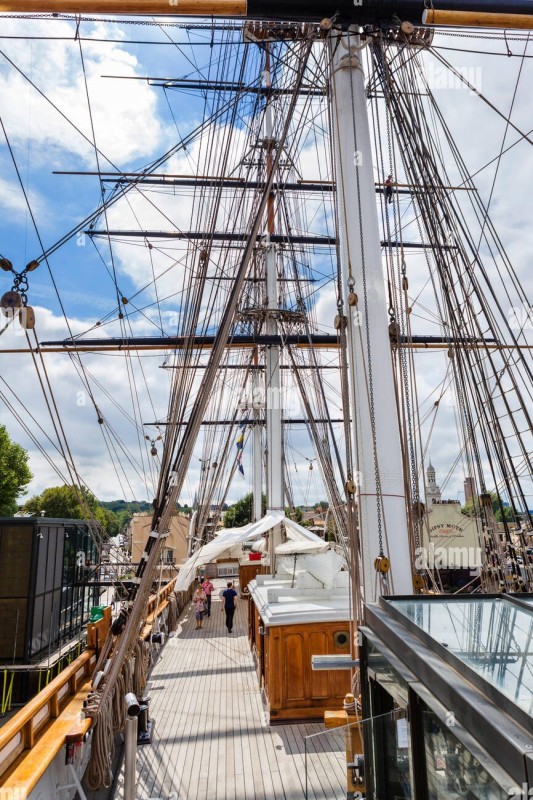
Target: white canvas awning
(228,537)
(294,547)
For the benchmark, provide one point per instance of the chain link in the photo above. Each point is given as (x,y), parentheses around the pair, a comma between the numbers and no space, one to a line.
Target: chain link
(20,285)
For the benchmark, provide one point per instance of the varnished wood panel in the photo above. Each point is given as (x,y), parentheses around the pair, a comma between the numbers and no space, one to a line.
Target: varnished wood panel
(292,668)
(294,691)
(248,572)
(320,683)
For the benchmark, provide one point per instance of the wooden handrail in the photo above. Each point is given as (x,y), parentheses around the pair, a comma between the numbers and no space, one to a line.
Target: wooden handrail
(163,594)
(29,767)
(33,706)
(97,631)
(19,733)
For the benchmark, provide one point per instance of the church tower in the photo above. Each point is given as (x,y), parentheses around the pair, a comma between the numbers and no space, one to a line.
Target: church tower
(432,490)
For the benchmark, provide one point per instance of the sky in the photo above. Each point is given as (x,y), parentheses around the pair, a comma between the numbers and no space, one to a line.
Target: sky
(60,95)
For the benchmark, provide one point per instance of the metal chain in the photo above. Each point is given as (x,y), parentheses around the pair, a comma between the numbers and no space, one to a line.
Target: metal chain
(20,285)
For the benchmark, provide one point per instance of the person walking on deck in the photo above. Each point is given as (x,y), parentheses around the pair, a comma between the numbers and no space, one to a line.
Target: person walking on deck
(199,603)
(208,588)
(229,596)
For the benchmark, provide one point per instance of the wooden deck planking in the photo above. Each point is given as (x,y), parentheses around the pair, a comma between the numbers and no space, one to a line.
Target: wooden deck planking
(211,741)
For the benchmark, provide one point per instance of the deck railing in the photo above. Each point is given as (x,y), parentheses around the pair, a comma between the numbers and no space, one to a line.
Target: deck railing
(23,731)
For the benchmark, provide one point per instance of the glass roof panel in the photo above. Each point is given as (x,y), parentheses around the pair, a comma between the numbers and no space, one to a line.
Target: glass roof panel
(493,636)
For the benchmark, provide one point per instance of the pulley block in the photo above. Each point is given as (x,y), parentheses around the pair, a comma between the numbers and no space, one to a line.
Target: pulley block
(340,322)
(352,299)
(382,565)
(27,318)
(10,301)
(418,582)
(394,331)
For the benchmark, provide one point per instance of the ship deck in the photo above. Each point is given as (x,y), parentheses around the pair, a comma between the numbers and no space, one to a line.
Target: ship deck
(210,739)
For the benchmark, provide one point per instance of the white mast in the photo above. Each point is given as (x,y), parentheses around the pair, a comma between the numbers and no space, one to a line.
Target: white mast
(273,395)
(376,439)
(257,466)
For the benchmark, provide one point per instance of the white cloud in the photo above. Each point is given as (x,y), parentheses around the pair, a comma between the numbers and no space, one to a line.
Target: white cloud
(124,112)
(12,200)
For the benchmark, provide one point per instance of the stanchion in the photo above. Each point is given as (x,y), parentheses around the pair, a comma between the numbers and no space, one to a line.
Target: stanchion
(130,746)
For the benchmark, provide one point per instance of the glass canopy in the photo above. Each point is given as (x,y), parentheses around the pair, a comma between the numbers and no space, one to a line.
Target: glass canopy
(492,635)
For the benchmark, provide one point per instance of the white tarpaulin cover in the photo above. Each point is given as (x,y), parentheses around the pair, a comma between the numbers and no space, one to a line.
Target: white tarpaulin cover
(295,547)
(322,566)
(228,537)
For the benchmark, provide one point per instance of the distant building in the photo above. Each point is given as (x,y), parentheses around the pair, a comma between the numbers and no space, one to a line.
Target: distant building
(174,548)
(451,540)
(433,493)
(470,490)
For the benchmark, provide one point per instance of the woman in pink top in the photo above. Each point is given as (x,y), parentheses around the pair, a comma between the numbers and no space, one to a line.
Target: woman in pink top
(208,588)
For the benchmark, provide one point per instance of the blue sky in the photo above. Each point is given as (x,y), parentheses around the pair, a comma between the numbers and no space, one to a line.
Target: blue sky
(134,124)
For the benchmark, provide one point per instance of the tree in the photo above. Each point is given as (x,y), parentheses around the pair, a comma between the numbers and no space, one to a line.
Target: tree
(71,502)
(472,509)
(241,512)
(295,513)
(63,502)
(14,473)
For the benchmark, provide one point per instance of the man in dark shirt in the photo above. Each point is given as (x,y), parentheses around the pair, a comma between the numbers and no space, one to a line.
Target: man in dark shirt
(388,189)
(229,596)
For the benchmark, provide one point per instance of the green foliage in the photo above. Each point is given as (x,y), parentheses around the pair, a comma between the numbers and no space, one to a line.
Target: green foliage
(323,504)
(119,512)
(64,502)
(132,506)
(241,512)
(14,473)
(296,514)
(69,502)
(501,512)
